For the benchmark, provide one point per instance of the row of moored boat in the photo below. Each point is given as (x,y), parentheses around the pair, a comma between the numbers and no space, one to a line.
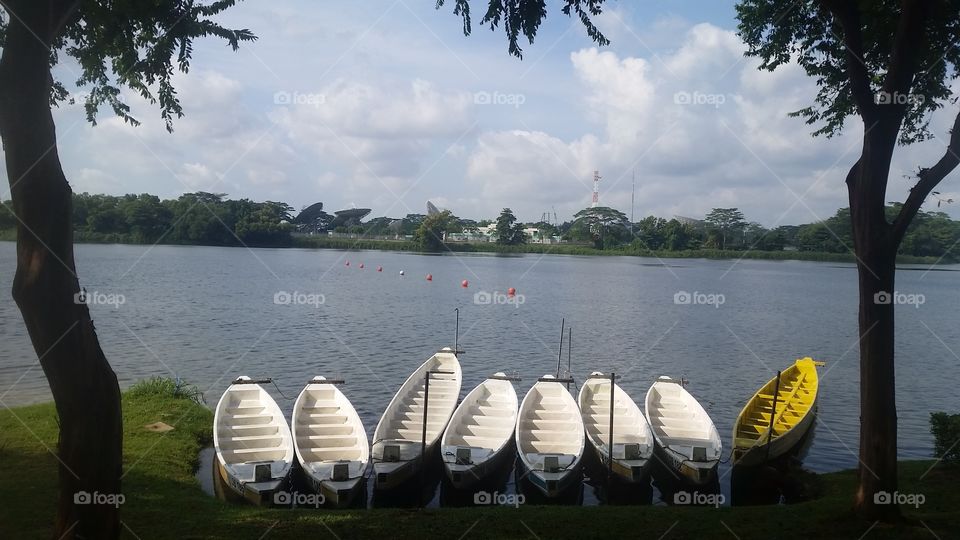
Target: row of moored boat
(550,430)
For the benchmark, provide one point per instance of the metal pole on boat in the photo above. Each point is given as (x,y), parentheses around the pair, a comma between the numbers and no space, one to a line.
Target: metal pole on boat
(613,378)
(456,337)
(773,414)
(423,436)
(560,352)
(569,352)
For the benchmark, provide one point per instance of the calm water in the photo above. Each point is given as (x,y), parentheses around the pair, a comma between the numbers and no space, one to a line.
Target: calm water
(208,314)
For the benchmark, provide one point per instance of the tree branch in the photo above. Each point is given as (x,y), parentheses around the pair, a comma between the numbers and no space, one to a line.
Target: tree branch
(908,42)
(929,178)
(848,15)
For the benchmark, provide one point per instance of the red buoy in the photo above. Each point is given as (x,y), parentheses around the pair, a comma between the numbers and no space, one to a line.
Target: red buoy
(379,269)
(464,284)
(429,277)
(511,292)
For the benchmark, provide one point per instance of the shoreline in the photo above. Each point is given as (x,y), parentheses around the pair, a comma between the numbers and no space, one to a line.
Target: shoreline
(405,246)
(160,484)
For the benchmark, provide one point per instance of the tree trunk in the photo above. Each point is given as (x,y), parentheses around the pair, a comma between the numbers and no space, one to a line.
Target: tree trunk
(45,287)
(878,407)
(876,251)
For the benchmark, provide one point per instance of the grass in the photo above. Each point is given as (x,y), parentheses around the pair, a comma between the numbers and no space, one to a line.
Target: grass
(325,242)
(164,499)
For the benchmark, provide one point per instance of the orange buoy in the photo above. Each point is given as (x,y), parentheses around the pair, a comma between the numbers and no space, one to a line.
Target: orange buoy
(464,284)
(379,269)
(511,292)
(361,265)
(429,277)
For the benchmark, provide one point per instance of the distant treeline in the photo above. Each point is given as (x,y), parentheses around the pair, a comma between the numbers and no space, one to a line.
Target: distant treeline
(212,219)
(193,218)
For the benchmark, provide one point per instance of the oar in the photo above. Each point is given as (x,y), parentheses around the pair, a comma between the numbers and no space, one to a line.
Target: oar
(773,414)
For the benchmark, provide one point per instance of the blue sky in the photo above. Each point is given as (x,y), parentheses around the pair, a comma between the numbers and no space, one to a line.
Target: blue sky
(385,104)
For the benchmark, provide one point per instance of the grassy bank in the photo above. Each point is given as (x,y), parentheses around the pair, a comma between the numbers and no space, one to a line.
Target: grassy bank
(164,500)
(324,242)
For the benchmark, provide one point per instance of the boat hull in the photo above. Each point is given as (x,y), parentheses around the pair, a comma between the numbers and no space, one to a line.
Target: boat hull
(630,471)
(776,448)
(694,472)
(258,493)
(552,485)
(469,476)
(389,475)
(396,452)
(763,432)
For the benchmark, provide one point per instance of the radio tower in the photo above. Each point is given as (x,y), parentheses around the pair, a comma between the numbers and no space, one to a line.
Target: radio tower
(596,189)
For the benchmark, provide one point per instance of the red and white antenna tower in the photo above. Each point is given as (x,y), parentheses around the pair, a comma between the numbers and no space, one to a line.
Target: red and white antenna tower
(596,189)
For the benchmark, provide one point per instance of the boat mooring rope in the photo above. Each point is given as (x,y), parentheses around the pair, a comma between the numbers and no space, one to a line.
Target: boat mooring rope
(279,392)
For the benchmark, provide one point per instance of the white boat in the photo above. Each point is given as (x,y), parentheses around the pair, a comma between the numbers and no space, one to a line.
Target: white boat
(330,441)
(550,437)
(252,441)
(396,447)
(686,437)
(633,444)
(478,439)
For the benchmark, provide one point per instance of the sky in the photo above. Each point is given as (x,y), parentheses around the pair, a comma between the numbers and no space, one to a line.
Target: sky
(386,105)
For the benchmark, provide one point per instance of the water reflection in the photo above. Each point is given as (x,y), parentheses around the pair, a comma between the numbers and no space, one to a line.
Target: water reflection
(422,489)
(780,481)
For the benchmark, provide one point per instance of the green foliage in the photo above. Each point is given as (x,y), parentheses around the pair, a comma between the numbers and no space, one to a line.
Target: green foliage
(602,225)
(431,233)
(509,232)
(410,223)
(728,222)
(166,387)
(525,16)
(945,429)
(139,46)
(193,218)
(806,32)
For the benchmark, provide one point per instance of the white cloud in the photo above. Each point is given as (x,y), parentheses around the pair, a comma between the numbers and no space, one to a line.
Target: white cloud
(387,111)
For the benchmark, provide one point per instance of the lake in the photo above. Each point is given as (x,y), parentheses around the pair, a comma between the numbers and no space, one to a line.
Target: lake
(209,314)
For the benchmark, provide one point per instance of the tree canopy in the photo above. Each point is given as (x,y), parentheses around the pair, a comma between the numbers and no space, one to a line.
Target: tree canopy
(523,17)
(134,45)
(509,232)
(811,32)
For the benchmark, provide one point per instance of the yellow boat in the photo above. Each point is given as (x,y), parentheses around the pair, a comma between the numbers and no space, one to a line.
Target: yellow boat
(756,436)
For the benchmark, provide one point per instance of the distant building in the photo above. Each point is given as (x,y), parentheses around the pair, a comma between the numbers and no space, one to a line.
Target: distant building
(348,217)
(690,221)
